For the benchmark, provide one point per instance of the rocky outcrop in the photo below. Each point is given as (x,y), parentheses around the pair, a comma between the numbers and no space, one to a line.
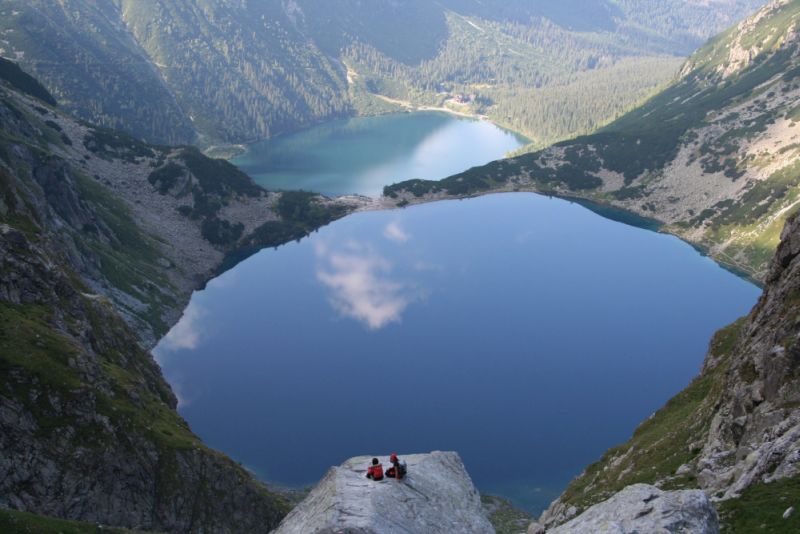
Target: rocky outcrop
(437,496)
(755,433)
(88,428)
(644,508)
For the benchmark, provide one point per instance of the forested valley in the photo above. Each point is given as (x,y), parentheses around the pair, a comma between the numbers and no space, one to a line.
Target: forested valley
(207,72)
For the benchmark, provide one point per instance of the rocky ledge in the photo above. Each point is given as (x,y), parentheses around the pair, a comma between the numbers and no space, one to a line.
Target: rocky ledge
(437,496)
(644,508)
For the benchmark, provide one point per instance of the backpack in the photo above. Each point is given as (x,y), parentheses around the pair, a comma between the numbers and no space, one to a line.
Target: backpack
(402,469)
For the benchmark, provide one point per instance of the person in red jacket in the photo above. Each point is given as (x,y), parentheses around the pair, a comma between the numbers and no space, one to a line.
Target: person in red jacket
(398,469)
(375,471)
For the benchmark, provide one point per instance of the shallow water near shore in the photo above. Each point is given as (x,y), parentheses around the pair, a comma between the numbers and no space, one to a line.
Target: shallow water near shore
(527,333)
(362,155)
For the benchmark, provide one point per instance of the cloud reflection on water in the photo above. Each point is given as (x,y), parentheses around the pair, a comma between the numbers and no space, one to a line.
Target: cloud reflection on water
(361,286)
(395,232)
(185,334)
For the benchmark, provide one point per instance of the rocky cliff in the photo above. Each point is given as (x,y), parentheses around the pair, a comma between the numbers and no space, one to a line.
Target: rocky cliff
(102,240)
(437,496)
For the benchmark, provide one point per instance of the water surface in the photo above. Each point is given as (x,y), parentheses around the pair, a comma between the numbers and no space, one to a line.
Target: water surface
(364,154)
(529,334)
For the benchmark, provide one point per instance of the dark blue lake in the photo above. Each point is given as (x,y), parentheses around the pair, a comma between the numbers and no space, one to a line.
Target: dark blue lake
(363,154)
(529,334)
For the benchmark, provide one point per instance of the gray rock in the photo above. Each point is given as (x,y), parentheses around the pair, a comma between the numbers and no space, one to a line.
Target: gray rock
(755,434)
(536,528)
(788,513)
(641,508)
(437,496)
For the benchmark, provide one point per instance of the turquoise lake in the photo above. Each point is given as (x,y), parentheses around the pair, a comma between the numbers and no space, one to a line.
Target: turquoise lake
(529,334)
(362,155)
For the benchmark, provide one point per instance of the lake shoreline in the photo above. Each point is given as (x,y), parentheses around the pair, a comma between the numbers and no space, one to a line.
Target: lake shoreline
(231,151)
(361,155)
(606,210)
(386,257)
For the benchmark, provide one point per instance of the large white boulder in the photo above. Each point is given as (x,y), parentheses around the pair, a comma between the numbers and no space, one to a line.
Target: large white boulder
(437,496)
(645,509)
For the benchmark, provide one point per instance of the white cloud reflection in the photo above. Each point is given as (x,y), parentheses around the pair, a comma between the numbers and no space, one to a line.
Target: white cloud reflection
(187,333)
(394,232)
(361,287)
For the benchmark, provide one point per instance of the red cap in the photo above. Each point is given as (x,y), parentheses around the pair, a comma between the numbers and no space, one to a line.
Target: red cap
(393,457)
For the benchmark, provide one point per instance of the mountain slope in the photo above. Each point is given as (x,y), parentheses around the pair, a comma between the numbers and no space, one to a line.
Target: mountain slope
(207,71)
(83,54)
(713,157)
(102,240)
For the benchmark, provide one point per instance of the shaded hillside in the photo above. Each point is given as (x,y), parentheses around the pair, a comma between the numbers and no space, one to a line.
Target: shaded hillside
(714,156)
(102,240)
(23,82)
(81,52)
(208,71)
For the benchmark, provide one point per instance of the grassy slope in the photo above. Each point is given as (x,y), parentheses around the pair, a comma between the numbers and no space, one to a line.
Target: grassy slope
(12,521)
(504,517)
(761,508)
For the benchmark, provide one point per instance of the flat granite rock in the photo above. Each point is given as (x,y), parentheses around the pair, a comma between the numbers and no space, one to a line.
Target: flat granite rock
(437,496)
(645,509)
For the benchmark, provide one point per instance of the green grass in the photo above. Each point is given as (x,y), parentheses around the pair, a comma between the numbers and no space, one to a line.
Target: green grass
(760,508)
(16,522)
(151,416)
(27,341)
(31,348)
(504,517)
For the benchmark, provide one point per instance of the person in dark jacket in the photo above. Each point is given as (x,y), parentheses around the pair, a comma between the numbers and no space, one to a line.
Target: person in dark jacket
(398,469)
(375,471)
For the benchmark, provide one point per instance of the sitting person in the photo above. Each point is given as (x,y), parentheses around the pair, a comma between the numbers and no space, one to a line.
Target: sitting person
(375,471)
(398,469)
